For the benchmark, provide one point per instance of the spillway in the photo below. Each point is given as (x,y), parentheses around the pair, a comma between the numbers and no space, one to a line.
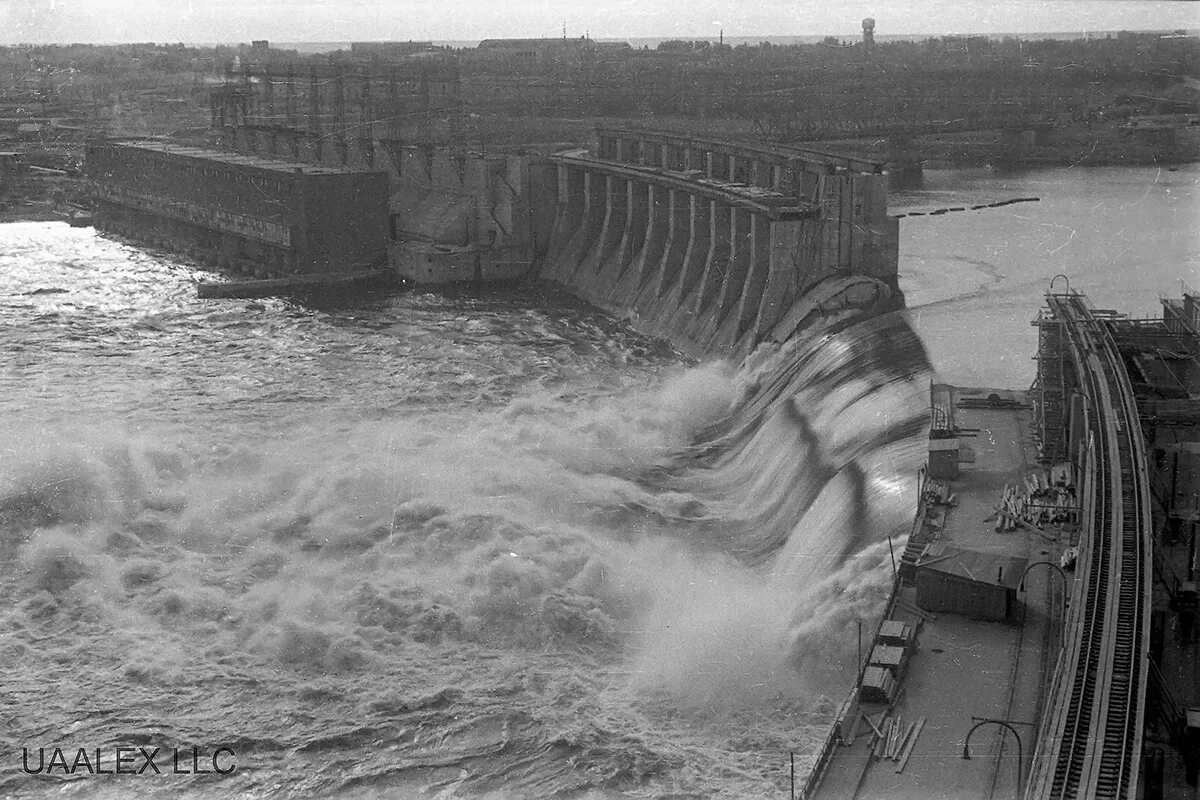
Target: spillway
(718,246)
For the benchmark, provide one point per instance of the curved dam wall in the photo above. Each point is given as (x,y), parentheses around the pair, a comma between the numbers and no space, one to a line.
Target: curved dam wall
(718,246)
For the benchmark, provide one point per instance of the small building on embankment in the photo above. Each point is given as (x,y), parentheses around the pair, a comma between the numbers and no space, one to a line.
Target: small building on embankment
(264,216)
(969,583)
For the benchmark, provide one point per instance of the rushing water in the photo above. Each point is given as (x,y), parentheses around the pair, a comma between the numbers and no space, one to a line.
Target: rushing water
(469,547)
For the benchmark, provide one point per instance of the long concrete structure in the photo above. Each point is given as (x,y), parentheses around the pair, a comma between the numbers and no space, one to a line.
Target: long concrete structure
(717,245)
(270,217)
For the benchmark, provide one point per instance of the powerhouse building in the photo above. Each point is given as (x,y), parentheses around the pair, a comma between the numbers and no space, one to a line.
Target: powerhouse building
(266,216)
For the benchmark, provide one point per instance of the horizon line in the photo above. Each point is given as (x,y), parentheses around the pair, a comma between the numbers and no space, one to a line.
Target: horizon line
(615,38)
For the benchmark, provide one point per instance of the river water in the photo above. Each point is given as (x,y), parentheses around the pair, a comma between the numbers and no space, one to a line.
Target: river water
(493,546)
(974,279)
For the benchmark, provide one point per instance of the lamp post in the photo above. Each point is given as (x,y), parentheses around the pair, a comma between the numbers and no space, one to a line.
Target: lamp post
(1049,564)
(859,664)
(1061,573)
(1002,723)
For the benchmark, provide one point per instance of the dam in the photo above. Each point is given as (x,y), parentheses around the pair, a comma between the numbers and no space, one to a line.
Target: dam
(713,245)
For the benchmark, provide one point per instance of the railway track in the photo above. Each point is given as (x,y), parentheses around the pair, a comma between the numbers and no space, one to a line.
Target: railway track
(1090,741)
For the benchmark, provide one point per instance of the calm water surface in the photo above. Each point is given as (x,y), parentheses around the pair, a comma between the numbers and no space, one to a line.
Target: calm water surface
(974,279)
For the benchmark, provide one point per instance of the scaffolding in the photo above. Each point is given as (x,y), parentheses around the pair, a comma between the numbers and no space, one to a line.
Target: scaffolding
(1049,388)
(1182,316)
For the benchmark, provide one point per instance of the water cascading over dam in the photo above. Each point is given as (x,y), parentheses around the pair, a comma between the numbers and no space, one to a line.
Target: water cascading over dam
(718,246)
(817,415)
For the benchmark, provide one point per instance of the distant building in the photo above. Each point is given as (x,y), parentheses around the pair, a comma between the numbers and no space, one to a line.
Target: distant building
(260,44)
(536,51)
(1164,130)
(533,45)
(613,48)
(389,50)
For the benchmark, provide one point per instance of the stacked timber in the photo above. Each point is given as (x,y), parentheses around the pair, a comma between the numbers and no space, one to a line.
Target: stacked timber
(891,739)
(1043,498)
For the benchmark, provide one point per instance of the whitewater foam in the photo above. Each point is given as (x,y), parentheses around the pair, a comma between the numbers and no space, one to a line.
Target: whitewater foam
(646,589)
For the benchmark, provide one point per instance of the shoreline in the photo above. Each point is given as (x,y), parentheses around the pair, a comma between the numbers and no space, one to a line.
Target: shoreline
(1099,145)
(1064,158)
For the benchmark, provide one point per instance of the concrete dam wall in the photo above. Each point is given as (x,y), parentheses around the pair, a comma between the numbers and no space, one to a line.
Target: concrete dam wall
(718,246)
(713,245)
(453,212)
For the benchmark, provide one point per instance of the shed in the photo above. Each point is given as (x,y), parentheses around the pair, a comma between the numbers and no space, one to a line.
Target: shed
(968,582)
(943,457)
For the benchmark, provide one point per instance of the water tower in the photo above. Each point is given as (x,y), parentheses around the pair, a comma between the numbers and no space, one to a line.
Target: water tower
(868,35)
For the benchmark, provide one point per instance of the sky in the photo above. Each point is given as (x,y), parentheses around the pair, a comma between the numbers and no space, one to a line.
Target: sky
(207,21)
